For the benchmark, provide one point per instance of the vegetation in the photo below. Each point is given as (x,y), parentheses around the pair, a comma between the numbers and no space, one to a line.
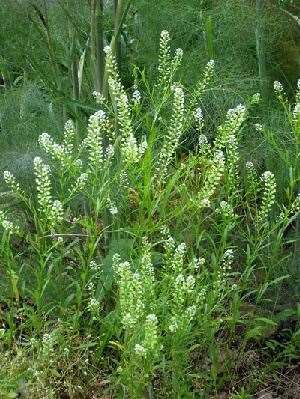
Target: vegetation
(151,249)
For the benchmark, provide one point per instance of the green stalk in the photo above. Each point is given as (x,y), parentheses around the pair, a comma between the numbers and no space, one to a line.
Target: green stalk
(97,43)
(209,30)
(261,49)
(121,12)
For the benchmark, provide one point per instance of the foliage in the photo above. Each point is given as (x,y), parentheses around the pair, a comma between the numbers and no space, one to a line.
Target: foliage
(134,268)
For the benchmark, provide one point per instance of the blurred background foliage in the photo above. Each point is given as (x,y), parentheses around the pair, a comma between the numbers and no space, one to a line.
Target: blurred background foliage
(49,47)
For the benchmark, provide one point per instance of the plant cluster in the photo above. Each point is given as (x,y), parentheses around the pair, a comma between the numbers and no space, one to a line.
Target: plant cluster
(137,270)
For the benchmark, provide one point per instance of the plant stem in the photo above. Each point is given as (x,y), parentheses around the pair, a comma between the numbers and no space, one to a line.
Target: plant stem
(97,43)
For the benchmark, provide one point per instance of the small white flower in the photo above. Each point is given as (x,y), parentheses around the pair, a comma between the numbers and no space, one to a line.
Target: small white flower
(256,98)
(173,327)
(151,318)
(136,95)
(202,140)
(113,210)
(278,87)
(140,350)
(190,283)
(258,127)
(78,162)
(179,52)
(181,248)
(198,263)
(165,35)
(191,311)
(100,99)
(198,115)
(101,115)
(219,155)
(107,49)
(228,255)
(267,175)
(249,165)
(211,64)
(179,279)
(296,111)
(206,202)
(143,146)
(110,151)
(238,111)
(94,266)
(7,176)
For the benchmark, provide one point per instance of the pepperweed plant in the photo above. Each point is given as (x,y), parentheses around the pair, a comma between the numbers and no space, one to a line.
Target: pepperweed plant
(133,268)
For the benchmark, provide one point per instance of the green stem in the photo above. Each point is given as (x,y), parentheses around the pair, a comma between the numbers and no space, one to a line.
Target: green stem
(97,43)
(261,49)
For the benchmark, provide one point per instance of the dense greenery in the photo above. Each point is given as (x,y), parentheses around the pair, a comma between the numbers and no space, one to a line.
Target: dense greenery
(150,241)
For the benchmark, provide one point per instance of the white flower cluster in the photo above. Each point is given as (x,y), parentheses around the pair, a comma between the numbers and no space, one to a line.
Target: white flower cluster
(151,334)
(251,180)
(164,66)
(130,293)
(80,182)
(94,141)
(175,258)
(236,115)
(202,140)
(268,196)
(296,112)
(212,179)
(52,211)
(136,96)
(147,271)
(173,136)
(49,341)
(256,98)
(227,211)
(140,350)
(167,65)
(198,263)
(7,224)
(94,308)
(95,267)
(225,268)
(199,118)
(184,285)
(203,82)
(292,210)
(259,127)
(113,210)
(42,173)
(60,152)
(109,151)
(100,99)
(111,65)
(57,151)
(181,321)
(228,131)
(130,150)
(278,88)
(11,181)
(69,135)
